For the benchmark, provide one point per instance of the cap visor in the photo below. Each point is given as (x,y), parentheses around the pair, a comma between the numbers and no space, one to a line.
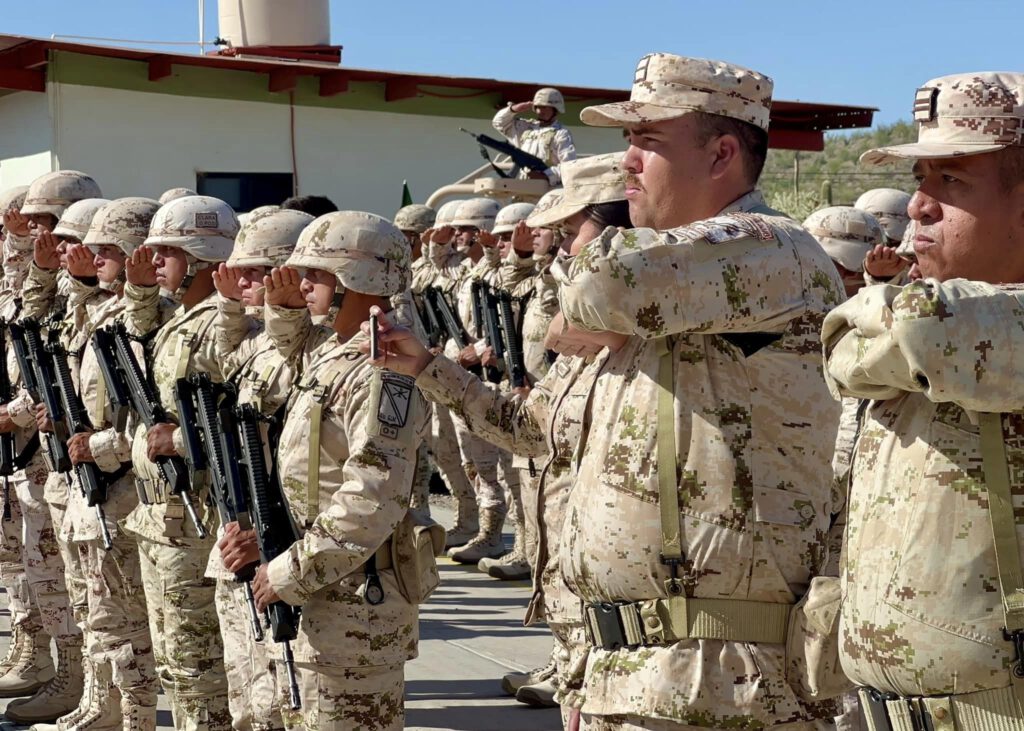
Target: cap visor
(923,151)
(619,114)
(554,215)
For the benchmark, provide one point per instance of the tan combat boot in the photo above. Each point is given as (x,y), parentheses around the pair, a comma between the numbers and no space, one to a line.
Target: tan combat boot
(512,682)
(540,695)
(103,708)
(59,696)
(138,718)
(31,666)
(467,523)
(67,721)
(487,543)
(513,566)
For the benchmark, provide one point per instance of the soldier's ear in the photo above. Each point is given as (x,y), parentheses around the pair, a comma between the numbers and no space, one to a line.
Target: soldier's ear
(726,156)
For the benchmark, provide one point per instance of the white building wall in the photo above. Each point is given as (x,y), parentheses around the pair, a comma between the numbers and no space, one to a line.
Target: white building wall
(137,143)
(25,138)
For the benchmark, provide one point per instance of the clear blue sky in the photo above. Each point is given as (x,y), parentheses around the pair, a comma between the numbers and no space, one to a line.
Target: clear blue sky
(866,52)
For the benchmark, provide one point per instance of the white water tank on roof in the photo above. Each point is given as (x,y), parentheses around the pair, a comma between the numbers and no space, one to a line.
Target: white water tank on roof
(275,22)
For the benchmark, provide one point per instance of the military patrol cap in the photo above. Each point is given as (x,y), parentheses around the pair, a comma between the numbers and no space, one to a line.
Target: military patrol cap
(415,217)
(889,206)
(667,86)
(367,253)
(846,234)
(175,193)
(123,223)
(75,221)
(586,181)
(963,114)
(53,192)
(547,201)
(268,237)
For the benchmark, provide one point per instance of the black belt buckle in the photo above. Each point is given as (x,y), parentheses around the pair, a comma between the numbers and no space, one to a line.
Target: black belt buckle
(612,635)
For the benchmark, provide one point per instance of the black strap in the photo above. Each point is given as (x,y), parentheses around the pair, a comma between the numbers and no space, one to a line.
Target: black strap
(373,591)
(22,460)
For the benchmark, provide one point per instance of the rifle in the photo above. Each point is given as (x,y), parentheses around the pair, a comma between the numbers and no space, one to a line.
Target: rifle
(7,456)
(117,389)
(151,411)
(213,455)
(435,332)
(520,159)
(45,380)
(513,341)
(490,326)
(91,480)
(452,325)
(275,532)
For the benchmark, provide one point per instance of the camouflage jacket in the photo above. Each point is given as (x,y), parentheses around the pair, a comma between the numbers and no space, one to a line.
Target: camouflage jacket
(922,613)
(551,143)
(547,426)
(185,342)
(349,508)
(741,298)
(540,311)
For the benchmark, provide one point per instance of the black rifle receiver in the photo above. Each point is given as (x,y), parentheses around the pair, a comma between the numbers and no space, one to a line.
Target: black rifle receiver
(117,391)
(46,379)
(151,411)
(520,159)
(513,341)
(275,532)
(91,479)
(492,330)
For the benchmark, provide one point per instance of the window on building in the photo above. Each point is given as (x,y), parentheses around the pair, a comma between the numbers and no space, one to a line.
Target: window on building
(245,191)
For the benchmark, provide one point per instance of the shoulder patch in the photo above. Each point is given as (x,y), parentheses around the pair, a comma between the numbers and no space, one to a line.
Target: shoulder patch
(733,227)
(394,399)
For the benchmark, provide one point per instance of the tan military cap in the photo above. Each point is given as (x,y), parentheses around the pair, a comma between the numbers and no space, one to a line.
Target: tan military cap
(667,86)
(963,114)
(846,234)
(586,181)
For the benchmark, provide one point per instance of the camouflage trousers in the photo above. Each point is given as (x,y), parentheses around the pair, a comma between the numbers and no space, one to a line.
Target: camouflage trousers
(368,698)
(419,502)
(45,567)
(443,444)
(589,722)
(24,613)
(252,682)
(490,470)
(186,635)
(570,654)
(118,623)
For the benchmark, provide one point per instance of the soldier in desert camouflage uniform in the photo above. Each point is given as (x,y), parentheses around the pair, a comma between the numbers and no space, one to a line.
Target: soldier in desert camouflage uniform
(122,686)
(543,137)
(703,504)
(55,572)
(347,457)
(188,237)
(932,621)
(250,360)
(547,425)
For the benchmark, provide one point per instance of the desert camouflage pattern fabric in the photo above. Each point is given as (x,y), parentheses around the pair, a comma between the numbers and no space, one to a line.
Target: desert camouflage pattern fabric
(74,222)
(346,699)
(587,181)
(202,225)
(889,206)
(415,217)
(922,612)
(363,490)
(962,114)
(541,309)
(174,193)
(366,252)
(123,223)
(846,234)
(268,237)
(666,86)
(53,192)
(552,143)
(755,512)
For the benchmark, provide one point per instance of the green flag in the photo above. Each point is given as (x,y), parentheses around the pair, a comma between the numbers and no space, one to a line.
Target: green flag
(406,195)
